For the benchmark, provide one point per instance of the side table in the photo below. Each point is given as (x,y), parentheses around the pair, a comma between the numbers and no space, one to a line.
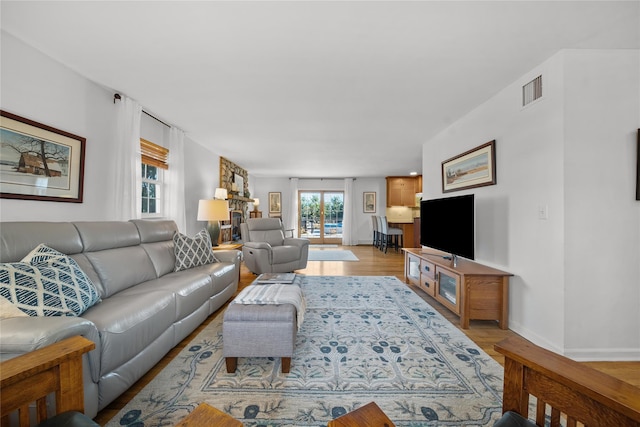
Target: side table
(228,246)
(207,415)
(369,415)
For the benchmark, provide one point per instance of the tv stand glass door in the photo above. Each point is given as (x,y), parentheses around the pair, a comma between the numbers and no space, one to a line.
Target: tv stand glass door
(448,289)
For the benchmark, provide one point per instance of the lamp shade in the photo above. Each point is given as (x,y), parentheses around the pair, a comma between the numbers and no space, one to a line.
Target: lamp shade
(221,193)
(256,202)
(213,210)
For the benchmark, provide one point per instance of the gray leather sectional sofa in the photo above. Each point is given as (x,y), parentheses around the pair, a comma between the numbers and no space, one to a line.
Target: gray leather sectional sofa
(146,307)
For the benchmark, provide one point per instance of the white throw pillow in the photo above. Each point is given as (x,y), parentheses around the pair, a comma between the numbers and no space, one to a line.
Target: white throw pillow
(8,310)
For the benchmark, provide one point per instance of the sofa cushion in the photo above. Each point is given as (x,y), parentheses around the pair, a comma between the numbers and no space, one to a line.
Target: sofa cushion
(222,274)
(156,237)
(121,268)
(162,255)
(192,252)
(155,230)
(19,238)
(190,289)
(101,235)
(265,230)
(272,237)
(128,322)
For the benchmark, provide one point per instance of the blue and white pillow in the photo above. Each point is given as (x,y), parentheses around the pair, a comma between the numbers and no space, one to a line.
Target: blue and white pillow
(47,283)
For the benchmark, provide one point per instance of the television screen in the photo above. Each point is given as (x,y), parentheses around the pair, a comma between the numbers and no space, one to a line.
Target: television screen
(448,225)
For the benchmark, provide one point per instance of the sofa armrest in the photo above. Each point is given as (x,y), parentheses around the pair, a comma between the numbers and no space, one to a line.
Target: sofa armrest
(233,256)
(25,334)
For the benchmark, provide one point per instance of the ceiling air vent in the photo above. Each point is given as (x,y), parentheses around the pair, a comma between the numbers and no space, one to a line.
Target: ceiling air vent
(532,91)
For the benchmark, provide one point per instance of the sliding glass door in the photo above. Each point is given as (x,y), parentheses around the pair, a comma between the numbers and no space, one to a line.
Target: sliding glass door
(320,216)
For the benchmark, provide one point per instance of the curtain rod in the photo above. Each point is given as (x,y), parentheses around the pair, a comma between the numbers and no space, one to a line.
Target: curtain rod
(157,119)
(118,97)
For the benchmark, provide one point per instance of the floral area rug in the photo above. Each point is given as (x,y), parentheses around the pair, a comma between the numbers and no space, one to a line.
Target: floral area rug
(364,338)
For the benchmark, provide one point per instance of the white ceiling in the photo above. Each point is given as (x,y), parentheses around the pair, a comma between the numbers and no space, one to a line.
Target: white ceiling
(315,89)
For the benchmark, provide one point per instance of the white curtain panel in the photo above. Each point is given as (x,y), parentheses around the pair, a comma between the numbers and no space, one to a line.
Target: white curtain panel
(128,170)
(174,202)
(291,217)
(347,217)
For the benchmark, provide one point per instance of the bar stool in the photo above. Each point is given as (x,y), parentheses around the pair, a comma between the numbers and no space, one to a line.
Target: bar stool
(374,222)
(392,235)
(382,234)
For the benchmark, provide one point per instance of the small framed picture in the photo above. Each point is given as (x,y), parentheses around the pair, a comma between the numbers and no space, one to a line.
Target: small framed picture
(369,202)
(238,181)
(39,162)
(275,202)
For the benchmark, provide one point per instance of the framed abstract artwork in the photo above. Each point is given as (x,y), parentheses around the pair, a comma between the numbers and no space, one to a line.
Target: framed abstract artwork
(39,162)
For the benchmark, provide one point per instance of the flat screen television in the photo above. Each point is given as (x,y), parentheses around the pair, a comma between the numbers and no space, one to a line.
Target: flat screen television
(448,225)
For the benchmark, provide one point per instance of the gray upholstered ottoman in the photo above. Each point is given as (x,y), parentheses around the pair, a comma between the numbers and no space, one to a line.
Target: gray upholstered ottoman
(254,330)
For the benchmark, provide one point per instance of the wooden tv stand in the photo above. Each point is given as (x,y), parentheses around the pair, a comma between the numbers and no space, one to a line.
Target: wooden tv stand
(470,290)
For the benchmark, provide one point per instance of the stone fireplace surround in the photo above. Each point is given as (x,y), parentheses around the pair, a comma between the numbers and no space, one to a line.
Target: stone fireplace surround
(238,203)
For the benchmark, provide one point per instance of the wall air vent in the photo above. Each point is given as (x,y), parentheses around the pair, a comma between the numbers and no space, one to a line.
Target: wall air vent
(532,91)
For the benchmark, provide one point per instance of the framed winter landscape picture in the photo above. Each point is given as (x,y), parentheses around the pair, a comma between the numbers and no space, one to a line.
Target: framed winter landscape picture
(39,162)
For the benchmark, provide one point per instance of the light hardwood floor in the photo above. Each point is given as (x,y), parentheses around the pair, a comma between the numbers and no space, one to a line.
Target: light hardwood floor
(372,263)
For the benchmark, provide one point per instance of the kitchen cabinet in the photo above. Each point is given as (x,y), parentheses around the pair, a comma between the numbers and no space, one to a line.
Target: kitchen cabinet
(401,190)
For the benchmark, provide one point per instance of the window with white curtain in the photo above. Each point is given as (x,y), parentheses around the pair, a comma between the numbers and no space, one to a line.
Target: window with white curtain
(154,163)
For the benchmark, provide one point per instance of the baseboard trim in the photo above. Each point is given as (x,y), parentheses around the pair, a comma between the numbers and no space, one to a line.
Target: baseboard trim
(608,354)
(579,354)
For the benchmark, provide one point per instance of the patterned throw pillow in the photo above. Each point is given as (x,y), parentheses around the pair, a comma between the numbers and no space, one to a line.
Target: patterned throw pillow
(47,283)
(193,252)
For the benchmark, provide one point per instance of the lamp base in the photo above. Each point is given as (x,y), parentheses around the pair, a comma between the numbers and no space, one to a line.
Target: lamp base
(214,232)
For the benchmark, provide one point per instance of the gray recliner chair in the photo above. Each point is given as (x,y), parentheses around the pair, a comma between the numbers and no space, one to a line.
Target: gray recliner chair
(266,250)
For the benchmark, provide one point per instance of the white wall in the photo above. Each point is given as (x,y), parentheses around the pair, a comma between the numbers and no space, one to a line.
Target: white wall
(547,154)
(41,89)
(602,217)
(202,177)
(362,227)
(38,88)
(35,87)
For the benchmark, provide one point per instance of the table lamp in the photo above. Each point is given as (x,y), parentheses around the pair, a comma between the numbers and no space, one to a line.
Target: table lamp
(256,204)
(213,211)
